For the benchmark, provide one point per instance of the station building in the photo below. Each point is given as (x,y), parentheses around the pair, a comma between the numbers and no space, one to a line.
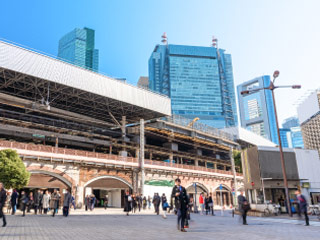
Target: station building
(79,130)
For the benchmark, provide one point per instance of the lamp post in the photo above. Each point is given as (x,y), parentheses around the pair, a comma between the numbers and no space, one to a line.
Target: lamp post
(272,87)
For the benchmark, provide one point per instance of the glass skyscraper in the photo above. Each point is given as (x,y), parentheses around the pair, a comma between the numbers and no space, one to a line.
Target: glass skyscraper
(198,80)
(285,136)
(256,109)
(77,47)
(294,136)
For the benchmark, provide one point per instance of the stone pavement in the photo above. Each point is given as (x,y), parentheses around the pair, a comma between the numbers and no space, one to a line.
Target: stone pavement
(113,224)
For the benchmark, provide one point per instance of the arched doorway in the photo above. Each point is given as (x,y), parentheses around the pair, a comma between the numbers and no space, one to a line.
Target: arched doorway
(195,189)
(45,180)
(223,195)
(110,186)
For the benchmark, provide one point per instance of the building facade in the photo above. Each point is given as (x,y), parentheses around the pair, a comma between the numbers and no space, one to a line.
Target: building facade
(309,118)
(285,136)
(296,139)
(143,82)
(290,122)
(256,108)
(78,48)
(199,81)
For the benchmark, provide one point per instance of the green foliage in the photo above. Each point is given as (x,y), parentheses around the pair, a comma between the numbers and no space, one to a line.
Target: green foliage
(13,173)
(237,160)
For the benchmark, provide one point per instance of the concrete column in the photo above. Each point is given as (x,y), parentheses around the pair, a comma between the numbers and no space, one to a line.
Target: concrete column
(215,166)
(79,195)
(196,162)
(150,155)
(233,168)
(171,158)
(137,153)
(225,168)
(141,162)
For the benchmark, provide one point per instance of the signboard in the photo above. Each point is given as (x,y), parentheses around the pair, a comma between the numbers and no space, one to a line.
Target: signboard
(220,187)
(306,185)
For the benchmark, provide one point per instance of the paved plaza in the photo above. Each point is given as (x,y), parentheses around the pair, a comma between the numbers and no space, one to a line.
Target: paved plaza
(115,225)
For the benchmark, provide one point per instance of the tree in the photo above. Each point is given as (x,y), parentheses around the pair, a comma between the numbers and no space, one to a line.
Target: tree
(237,159)
(13,173)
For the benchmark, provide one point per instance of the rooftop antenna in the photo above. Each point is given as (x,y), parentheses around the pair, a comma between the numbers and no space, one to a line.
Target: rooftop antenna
(214,42)
(164,38)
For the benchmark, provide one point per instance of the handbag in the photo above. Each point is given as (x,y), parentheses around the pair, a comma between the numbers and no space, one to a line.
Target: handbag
(129,198)
(165,205)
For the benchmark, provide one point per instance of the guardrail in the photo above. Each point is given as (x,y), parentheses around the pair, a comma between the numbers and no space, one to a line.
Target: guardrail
(74,152)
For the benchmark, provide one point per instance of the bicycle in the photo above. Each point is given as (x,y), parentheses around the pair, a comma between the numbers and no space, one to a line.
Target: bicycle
(275,210)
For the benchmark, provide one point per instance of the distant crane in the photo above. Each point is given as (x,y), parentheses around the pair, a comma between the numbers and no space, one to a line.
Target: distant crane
(193,121)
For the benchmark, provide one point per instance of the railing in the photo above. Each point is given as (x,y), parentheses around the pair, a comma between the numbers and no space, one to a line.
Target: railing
(179,120)
(74,152)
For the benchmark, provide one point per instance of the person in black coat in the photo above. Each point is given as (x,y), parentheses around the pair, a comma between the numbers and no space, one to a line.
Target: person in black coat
(23,203)
(303,205)
(127,202)
(179,195)
(244,207)
(13,201)
(3,198)
(156,202)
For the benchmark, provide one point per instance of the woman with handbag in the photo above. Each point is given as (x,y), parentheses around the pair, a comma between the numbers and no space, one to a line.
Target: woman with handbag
(165,205)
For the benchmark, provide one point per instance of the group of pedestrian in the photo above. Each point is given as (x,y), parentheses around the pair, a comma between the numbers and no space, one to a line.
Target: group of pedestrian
(90,201)
(206,204)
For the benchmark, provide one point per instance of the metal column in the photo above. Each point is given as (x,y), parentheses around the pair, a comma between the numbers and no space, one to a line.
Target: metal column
(141,155)
(234,177)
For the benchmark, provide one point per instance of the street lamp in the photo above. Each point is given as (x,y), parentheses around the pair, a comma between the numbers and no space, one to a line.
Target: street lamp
(273,87)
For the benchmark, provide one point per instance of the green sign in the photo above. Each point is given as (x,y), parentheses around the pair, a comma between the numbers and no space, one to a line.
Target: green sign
(306,185)
(162,183)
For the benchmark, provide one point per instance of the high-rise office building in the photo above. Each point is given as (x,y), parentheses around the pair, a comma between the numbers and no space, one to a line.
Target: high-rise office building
(143,82)
(309,118)
(257,109)
(290,122)
(199,81)
(285,136)
(77,47)
(294,136)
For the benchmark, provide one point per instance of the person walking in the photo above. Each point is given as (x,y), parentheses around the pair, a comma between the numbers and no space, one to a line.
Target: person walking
(54,202)
(23,203)
(92,201)
(30,203)
(201,202)
(144,203)
(37,201)
(66,203)
(244,207)
(139,200)
(133,203)
(179,195)
(149,202)
(127,202)
(13,201)
(165,205)
(73,202)
(45,202)
(106,200)
(303,206)
(87,202)
(211,204)
(3,198)
(156,202)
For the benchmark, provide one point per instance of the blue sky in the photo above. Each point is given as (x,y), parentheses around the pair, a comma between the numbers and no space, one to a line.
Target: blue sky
(261,35)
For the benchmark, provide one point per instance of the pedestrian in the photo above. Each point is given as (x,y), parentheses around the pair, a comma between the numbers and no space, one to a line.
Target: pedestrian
(87,202)
(13,201)
(3,198)
(37,201)
(92,201)
(106,200)
(133,203)
(149,202)
(303,206)
(156,202)
(139,201)
(179,194)
(211,204)
(30,203)
(165,205)
(45,202)
(127,202)
(73,202)
(54,202)
(201,202)
(206,203)
(66,203)
(144,203)
(244,207)
(23,203)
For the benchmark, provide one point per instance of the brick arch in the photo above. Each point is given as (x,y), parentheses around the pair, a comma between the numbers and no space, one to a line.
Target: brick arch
(53,172)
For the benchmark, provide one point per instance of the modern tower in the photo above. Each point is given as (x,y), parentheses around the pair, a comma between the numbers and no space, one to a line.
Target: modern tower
(199,81)
(294,136)
(256,108)
(77,47)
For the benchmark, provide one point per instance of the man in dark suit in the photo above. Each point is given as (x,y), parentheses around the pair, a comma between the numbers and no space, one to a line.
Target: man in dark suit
(179,194)
(303,205)
(3,198)
(243,207)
